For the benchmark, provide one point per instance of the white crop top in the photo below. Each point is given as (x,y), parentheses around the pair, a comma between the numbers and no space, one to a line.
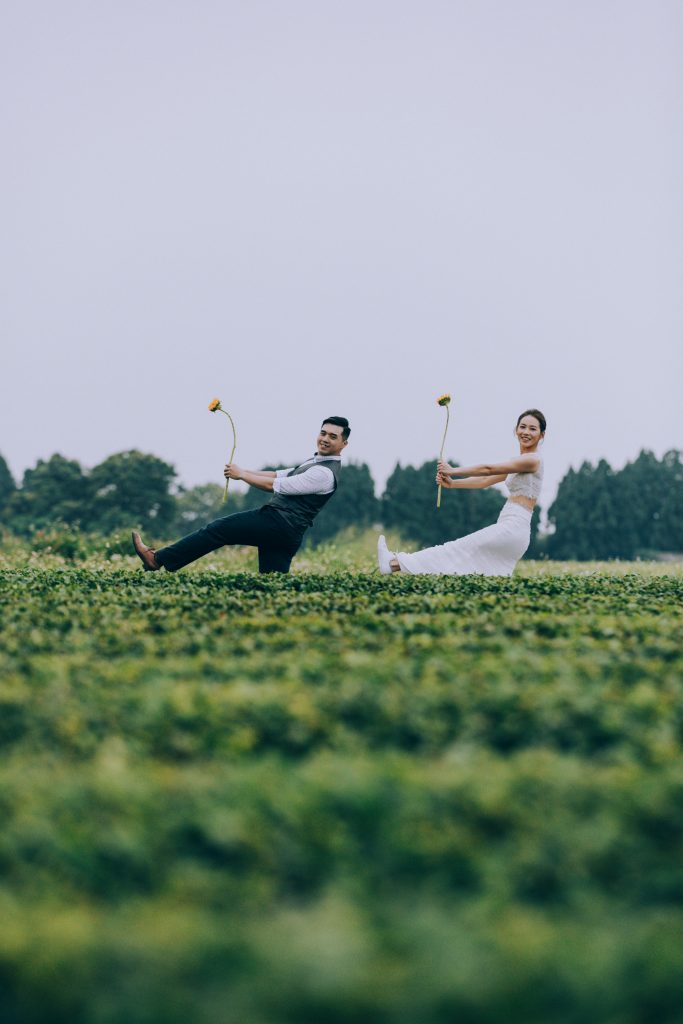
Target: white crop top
(525,485)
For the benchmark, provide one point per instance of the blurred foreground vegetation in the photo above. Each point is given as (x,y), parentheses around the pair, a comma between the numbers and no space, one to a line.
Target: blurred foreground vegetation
(336,796)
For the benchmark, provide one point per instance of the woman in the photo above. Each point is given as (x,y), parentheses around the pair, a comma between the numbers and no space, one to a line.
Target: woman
(495,550)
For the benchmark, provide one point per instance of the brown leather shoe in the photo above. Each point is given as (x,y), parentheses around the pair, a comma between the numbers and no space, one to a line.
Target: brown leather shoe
(145,554)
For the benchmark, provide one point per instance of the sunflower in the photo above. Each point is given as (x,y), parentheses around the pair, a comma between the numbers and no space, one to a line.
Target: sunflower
(444,401)
(215,406)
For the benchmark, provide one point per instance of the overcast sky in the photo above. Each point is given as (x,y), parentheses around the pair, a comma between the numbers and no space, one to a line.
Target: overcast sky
(315,208)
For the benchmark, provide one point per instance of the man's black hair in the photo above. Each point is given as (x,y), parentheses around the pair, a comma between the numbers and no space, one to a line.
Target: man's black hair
(338,421)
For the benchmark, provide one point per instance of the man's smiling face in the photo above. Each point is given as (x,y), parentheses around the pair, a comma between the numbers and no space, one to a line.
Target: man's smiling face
(330,440)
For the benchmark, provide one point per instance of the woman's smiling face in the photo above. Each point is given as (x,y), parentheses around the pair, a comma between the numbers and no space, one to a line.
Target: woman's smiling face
(528,433)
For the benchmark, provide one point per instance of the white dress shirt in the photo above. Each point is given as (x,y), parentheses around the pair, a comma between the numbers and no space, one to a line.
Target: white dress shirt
(315,480)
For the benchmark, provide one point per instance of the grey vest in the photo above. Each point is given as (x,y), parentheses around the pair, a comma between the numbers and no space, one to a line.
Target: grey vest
(301,509)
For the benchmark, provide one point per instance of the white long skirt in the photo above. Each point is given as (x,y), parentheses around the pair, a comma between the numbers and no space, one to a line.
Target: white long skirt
(493,551)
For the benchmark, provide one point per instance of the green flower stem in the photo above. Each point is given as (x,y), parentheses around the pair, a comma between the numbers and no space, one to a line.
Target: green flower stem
(232,453)
(443,442)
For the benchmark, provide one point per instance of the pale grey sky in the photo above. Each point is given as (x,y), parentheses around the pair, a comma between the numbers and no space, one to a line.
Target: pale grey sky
(309,208)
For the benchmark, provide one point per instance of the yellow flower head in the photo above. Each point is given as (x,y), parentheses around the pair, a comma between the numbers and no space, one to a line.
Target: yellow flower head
(444,400)
(214,404)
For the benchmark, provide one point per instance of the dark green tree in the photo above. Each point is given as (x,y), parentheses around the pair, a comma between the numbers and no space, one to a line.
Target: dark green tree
(599,513)
(643,487)
(56,490)
(7,487)
(567,535)
(132,489)
(589,517)
(409,506)
(605,520)
(667,534)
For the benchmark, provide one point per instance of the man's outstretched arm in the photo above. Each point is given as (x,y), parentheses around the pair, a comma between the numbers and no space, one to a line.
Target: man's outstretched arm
(263,479)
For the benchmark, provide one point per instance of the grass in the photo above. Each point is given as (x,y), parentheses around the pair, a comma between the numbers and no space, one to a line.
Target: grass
(351,551)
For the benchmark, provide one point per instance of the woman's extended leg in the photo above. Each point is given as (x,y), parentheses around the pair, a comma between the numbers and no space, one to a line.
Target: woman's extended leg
(386,559)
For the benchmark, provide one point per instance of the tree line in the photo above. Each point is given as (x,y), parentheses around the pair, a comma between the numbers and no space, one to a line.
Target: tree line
(603,513)
(598,513)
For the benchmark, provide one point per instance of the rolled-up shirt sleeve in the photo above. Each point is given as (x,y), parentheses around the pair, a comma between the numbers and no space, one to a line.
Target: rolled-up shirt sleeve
(316,480)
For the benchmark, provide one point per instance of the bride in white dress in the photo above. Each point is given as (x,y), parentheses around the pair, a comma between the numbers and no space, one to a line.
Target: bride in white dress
(495,550)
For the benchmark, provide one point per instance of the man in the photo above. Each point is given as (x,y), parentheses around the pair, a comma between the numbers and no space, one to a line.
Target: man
(277,528)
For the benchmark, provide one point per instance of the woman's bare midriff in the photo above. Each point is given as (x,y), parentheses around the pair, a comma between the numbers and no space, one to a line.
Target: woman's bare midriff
(519,499)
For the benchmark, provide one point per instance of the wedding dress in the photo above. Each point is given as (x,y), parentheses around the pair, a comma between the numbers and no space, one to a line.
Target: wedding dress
(493,551)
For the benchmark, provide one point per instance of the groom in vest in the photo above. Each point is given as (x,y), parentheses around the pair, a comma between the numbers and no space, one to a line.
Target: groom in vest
(277,528)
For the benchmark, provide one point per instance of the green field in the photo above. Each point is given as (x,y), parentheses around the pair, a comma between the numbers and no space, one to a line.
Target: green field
(339,797)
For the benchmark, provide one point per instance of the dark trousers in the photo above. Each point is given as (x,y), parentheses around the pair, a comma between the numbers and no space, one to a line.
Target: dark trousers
(263,528)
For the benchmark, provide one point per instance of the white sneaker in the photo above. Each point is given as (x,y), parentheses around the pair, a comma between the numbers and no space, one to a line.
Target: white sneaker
(384,556)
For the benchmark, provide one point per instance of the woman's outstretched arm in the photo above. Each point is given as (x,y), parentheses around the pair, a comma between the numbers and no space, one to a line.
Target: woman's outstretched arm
(520,464)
